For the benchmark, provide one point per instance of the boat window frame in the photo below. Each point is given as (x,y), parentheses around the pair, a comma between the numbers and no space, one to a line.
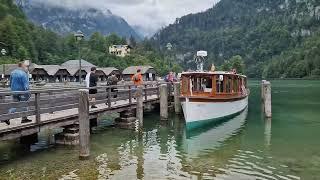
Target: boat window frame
(234,85)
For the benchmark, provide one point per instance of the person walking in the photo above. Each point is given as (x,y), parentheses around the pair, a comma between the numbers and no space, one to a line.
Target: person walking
(19,82)
(137,78)
(88,80)
(93,79)
(113,81)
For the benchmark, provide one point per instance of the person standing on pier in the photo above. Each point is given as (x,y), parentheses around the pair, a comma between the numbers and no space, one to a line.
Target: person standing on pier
(137,78)
(93,79)
(19,82)
(113,81)
(171,78)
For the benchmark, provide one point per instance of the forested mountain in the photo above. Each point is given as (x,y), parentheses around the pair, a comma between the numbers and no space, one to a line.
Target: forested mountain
(275,38)
(26,41)
(65,20)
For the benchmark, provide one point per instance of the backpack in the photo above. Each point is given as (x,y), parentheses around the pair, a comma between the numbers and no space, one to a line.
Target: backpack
(136,78)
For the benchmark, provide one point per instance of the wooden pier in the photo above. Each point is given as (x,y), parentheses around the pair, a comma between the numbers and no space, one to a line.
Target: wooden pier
(61,107)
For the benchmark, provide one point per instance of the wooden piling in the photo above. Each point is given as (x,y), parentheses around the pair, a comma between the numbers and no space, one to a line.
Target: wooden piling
(262,89)
(177,104)
(163,88)
(139,110)
(267,99)
(109,98)
(84,124)
(37,107)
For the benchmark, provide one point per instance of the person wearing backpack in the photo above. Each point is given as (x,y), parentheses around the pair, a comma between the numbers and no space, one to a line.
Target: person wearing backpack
(137,78)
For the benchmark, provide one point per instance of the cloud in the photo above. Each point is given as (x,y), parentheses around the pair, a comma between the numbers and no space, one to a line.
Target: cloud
(150,15)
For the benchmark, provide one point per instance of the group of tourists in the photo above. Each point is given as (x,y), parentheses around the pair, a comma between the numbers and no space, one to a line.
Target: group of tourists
(19,84)
(91,83)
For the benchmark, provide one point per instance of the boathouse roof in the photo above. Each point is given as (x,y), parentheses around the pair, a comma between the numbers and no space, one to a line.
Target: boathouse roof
(108,70)
(37,69)
(84,63)
(53,69)
(8,68)
(73,69)
(133,69)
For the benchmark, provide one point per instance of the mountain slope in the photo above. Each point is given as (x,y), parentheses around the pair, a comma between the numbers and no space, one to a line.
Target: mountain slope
(259,31)
(64,20)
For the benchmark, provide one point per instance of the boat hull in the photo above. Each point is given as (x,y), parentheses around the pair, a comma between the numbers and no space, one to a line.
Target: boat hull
(199,113)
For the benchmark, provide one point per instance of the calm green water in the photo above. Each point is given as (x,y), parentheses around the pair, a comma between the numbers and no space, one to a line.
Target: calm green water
(245,147)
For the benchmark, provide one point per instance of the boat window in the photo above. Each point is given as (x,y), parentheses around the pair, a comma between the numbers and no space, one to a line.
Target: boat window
(220,84)
(185,85)
(228,84)
(202,84)
(207,84)
(235,84)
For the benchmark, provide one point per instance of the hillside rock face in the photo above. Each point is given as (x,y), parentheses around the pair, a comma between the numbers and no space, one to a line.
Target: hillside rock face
(256,30)
(64,20)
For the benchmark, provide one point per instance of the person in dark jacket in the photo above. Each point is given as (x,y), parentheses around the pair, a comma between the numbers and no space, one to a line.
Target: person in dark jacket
(113,81)
(19,82)
(93,79)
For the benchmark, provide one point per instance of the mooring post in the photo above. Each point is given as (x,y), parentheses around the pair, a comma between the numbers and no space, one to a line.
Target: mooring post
(37,108)
(262,89)
(84,124)
(163,101)
(267,99)
(139,110)
(177,104)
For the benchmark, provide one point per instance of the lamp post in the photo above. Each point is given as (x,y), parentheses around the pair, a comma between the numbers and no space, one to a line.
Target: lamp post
(79,36)
(3,53)
(169,48)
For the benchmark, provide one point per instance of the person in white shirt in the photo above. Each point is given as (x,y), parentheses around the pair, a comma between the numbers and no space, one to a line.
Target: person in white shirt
(88,80)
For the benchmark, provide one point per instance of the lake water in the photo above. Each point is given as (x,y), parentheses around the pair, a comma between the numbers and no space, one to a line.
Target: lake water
(245,147)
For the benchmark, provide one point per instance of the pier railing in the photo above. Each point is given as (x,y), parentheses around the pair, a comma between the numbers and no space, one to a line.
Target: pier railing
(48,101)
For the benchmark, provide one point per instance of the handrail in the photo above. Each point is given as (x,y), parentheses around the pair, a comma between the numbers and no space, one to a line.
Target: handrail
(39,103)
(45,90)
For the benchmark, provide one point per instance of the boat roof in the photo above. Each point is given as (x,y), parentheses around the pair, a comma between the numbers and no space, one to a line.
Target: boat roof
(212,73)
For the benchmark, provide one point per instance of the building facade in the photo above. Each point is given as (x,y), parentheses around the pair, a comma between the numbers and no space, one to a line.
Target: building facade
(120,50)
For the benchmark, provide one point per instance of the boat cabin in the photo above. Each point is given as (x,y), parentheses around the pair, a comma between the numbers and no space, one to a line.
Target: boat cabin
(218,84)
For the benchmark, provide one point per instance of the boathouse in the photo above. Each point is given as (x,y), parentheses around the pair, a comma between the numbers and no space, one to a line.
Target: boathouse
(6,69)
(56,73)
(148,73)
(38,73)
(104,73)
(73,67)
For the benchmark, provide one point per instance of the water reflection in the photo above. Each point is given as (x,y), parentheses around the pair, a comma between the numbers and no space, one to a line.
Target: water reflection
(204,140)
(267,132)
(167,151)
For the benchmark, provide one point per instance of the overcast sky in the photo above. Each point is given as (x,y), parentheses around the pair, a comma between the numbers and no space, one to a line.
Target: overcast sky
(151,15)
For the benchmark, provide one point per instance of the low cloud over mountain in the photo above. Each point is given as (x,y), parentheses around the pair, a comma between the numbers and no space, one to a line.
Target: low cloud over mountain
(148,15)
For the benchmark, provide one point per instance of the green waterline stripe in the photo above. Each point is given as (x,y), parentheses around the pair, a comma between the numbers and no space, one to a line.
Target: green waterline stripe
(211,122)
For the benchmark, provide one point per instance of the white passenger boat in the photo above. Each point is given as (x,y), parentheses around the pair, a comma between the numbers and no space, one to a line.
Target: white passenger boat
(212,96)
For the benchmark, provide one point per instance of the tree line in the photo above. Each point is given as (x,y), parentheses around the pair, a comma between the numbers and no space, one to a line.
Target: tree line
(275,38)
(24,40)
